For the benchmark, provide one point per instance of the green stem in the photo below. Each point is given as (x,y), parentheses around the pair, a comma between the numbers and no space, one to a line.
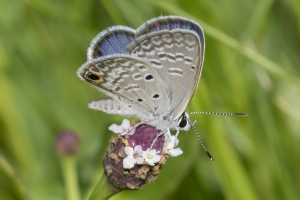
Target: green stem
(68,166)
(103,190)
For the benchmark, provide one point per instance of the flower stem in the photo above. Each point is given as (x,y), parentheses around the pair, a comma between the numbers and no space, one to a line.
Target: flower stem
(103,190)
(68,165)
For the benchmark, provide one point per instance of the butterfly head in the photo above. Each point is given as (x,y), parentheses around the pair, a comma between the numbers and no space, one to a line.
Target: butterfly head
(184,123)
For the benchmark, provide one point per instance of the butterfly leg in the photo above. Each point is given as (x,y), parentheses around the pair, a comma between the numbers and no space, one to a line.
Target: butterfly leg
(160,134)
(134,126)
(177,133)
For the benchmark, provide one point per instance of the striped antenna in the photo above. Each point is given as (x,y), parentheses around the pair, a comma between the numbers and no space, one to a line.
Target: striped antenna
(213,113)
(221,114)
(198,135)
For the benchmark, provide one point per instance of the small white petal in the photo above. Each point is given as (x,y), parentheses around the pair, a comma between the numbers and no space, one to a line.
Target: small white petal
(125,124)
(127,164)
(138,150)
(171,144)
(131,159)
(152,152)
(174,140)
(149,161)
(146,154)
(114,128)
(140,160)
(128,150)
(165,151)
(156,158)
(175,152)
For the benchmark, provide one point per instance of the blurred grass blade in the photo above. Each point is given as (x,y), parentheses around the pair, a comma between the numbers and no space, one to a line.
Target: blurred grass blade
(113,12)
(6,168)
(16,137)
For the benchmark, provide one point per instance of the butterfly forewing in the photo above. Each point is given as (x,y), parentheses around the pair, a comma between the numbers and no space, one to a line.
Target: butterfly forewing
(175,55)
(170,23)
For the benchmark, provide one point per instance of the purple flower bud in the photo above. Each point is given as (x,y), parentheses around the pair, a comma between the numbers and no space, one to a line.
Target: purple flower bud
(137,176)
(67,143)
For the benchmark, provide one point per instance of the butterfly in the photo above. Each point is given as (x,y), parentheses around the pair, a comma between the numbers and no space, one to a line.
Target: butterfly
(151,73)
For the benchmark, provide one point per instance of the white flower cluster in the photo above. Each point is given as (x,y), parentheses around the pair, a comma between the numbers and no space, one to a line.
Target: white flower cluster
(135,155)
(138,156)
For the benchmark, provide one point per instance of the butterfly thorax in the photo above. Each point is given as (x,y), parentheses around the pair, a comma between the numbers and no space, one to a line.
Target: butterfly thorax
(162,123)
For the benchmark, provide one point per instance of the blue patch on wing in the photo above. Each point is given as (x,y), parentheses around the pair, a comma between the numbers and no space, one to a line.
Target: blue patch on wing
(113,40)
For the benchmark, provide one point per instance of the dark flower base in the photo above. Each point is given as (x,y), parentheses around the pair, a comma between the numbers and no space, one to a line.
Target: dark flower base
(136,177)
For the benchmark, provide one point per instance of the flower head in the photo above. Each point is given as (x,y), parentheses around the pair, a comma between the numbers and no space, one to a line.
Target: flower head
(136,157)
(124,159)
(67,143)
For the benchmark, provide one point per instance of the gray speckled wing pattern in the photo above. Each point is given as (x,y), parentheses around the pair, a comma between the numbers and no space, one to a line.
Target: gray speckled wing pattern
(151,73)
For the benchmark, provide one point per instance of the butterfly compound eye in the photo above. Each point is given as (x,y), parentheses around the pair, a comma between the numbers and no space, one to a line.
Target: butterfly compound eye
(182,122)
(93,77)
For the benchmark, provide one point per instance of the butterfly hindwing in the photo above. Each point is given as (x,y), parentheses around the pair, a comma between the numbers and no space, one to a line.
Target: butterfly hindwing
(114,106)
(113,40)
(129,80)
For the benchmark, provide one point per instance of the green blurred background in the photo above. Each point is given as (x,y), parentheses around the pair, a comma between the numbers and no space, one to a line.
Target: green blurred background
(251,65)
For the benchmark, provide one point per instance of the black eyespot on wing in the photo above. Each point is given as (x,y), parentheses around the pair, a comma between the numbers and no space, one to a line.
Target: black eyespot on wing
(156,96)
(148,77)
(193,67)
(92,76)
(140,100)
